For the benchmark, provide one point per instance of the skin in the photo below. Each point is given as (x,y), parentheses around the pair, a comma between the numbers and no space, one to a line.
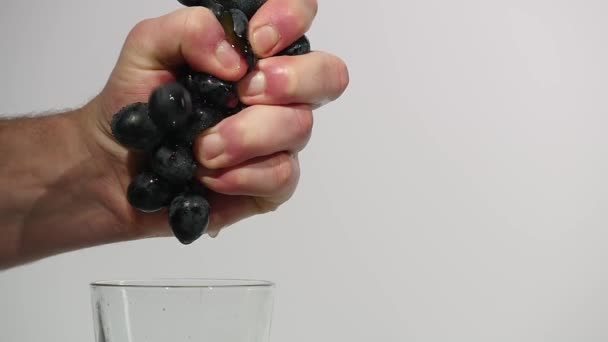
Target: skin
(64,177)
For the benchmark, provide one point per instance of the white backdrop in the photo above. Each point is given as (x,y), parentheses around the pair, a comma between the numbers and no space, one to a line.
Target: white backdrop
(457,191)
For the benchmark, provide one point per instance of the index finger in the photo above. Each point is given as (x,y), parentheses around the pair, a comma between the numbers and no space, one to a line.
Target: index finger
(191,35)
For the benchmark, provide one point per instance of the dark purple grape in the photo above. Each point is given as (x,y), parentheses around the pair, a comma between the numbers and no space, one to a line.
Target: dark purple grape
(215,7)
(240,23)
(250,57)
(170,106)
(190,3)
(195,187)
(189,217)
(299,47)
(240,27)
(148,192)
(230,112)
(133,128)
(210,90)
(212,5)
(188,78)
(203,119)
(249,7)
(174,163)
(235,24)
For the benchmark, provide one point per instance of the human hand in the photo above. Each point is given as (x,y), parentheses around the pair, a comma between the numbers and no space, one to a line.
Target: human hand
(248,160)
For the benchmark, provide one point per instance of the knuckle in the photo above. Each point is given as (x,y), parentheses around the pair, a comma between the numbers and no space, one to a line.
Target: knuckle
(195,18)
(262,206)
(343,77)
(284,170)
(314,6)
(304,122)
(239,141)
(298,22)
(338,76)
(139,31)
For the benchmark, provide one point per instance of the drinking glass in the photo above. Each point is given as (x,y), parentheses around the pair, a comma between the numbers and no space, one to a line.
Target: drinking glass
(182,310)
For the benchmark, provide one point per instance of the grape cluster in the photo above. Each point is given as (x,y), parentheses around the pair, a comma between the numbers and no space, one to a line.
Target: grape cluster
(166,126)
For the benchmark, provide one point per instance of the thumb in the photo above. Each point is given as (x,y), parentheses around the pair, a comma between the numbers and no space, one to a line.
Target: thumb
(189,35)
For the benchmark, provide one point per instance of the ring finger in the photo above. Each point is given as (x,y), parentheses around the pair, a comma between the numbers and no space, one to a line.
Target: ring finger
(315,78)
(254,132)
(275,176)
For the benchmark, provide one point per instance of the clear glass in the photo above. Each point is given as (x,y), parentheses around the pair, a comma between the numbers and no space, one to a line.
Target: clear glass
(182,310)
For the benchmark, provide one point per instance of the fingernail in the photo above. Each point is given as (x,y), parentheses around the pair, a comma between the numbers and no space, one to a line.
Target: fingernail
(213,146)
(265,39)
(227,56)
(256,85)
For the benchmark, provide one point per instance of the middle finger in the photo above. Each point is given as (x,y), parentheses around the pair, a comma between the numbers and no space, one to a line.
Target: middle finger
(315,78)
(254,132)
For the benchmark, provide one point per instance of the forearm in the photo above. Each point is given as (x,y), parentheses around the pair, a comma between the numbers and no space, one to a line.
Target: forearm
(52,198)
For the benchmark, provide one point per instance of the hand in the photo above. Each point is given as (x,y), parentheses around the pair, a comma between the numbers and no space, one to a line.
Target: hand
(249,160)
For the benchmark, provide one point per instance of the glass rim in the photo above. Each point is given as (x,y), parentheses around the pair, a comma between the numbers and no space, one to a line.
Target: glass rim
(182,283)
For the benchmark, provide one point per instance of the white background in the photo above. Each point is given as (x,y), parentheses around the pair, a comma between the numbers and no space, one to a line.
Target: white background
(457,191)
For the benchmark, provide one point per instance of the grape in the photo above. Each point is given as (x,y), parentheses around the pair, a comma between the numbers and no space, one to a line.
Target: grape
(235,24)
(148,192)
(204,118)
(230,112)
(210,90)
(190,3)
(189,217)
(174,163)
(299,47)
(249,7)
(195,187)
(214,6)
(133,128)
(170,106)
(240,23)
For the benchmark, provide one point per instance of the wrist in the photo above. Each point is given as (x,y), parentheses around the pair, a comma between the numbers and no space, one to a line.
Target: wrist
(107,176)
(58,188)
